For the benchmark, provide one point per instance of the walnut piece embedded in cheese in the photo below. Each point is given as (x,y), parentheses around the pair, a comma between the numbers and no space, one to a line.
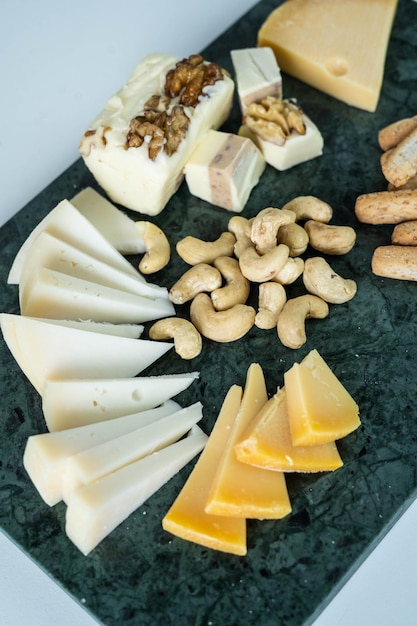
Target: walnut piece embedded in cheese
(137,147)
(297,148)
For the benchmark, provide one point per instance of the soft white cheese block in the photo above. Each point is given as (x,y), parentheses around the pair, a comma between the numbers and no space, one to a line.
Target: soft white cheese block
(257,75)
(47,293)
(68,224)
(55,254)
(113,224)
(105,458)
(98,508)
(133,331)
(46,454)
(223,170)
(296,149)
(128,175)
(51,352)
(71,403)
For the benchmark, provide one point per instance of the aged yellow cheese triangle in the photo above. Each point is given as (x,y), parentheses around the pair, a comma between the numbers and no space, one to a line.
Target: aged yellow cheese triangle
(187,517)
(267,443)
(337,46)
(320,409)
(239,489)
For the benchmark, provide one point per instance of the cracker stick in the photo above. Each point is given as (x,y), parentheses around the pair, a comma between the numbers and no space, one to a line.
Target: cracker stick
(399,262)
(405,234)
(400,163)
(392,134)
(387,207)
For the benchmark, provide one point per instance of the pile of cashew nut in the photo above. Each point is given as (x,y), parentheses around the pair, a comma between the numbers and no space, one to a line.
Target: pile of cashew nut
(264,250)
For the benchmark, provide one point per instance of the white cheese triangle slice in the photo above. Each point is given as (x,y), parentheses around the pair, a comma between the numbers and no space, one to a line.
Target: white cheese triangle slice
(49,351)
(47,293)
(46,454)
(67,223)
(70,403)
(94,463)
(98,508)
(134,331)
(55,254)
(113,224)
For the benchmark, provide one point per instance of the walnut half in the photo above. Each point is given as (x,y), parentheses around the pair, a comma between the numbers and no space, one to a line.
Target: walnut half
(189,77)
(164,122)
(273,119)
(163,129)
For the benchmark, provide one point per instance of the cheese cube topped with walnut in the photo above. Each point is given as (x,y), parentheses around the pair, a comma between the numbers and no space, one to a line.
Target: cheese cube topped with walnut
(137,146)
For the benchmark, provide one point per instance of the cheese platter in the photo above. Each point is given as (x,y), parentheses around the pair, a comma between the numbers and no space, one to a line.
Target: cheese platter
(337,518)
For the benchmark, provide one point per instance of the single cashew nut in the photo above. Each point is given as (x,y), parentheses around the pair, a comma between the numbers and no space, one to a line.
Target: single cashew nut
(158,249)
(259,268)
(193,250)
(188,342)
(240,227)
(200,277)
(271,299)
(292,269)
(265,227)
(330,239)
(291,321)
(237,289)
(310,208)
(295,237)
(321,280)
(221,326)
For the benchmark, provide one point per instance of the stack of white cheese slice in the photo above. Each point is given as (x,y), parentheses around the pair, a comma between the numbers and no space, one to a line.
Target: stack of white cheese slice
(136,454)
(67,269)
(114,438)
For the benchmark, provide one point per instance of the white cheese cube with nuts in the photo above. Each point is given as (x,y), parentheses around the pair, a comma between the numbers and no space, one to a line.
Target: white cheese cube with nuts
(136,148)
(297,148)
(257,75)
(223,170)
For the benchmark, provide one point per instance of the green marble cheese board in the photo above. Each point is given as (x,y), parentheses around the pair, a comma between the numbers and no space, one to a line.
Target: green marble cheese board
(142,575)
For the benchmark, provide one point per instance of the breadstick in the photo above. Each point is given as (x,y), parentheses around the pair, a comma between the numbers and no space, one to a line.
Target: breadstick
(392,134)
(387,207)
(399,262)
(405,234)
(410,184)
(400,163)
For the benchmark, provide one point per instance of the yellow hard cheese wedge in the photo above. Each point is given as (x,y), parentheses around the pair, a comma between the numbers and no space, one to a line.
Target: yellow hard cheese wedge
(337,46)
(243,490)
(267,443)
(320,409)
(187,517)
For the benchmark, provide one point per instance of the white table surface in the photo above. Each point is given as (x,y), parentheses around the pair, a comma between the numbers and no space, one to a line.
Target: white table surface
(59,62)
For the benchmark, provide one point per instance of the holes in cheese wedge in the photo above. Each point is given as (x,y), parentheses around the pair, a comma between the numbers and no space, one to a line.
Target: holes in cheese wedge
(337,66)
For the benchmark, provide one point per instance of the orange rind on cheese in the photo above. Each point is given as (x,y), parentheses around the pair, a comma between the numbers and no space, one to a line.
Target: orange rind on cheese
(320,408)
(267,443)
